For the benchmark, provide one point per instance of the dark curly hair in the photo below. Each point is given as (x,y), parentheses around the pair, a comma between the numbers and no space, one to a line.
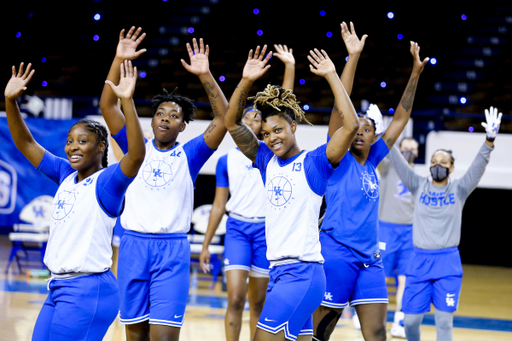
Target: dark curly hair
(186,104)
(101,133)
(275,100)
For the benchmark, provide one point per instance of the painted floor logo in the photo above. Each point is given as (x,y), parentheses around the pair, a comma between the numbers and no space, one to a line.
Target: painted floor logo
(8,189)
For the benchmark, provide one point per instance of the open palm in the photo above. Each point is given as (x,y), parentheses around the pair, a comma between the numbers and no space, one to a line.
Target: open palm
(321,64)
(256,64)
(127,46)
(198,58)
(352,42)
(126,86)
(18,82)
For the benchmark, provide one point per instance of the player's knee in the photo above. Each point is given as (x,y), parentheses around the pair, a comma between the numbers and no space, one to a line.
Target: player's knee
(326,325)
(236,302)
(256,306)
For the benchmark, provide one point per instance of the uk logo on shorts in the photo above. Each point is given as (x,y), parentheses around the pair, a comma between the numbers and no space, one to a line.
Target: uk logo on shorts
(8,179)
(370,186)
(279,191)
(157,173)
(450,300)
(63,204)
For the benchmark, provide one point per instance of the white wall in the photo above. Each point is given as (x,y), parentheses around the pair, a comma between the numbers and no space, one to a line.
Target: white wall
(464,146)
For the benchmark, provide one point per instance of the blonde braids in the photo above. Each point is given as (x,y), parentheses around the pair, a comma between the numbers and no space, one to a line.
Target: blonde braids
(276,97)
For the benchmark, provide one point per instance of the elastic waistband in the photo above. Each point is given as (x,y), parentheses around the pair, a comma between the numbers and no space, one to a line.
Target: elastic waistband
(247,219)
(156,235)
(438,251)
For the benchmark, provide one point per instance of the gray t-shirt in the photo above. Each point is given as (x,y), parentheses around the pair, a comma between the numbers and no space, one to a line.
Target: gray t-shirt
(438,210)
(396,201)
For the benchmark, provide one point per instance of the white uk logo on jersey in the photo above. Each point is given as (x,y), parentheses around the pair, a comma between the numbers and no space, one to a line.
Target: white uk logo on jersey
(157,173)
(370,185)
(279,191)
(63,205)
(327,296)
(450,301)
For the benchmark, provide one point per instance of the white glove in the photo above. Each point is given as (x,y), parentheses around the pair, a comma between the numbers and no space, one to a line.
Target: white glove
(374,113)
(493,122)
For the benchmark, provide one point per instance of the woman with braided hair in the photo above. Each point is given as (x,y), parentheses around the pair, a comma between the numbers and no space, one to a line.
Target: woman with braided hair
(83,298)
(295,181)
(245,254)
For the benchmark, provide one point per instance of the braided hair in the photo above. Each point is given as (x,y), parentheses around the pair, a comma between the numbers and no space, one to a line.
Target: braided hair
(186,104)
(275,100)
(101,133)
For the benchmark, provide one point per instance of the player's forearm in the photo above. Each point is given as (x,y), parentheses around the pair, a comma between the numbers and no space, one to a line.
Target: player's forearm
(216,97)
(108,97)
(343,103)
(289,76)
(136,146)
(234,112)
(216,215)
(349,72)
(21,135)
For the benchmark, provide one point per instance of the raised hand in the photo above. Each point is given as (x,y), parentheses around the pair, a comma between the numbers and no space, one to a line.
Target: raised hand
(256,64)
(418,63)
(352,42)
(18,82)
(321,64)
(284,54)
(198,58)
(127,46)
(126,86)
(492,124)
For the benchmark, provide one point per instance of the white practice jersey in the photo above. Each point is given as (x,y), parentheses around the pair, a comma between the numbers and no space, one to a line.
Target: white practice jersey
(292,214)
(81,231)
(161,198)
(245,186)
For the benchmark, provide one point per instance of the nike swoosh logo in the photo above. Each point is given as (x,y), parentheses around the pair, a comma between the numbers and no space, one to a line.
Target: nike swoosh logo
(266,319)
(448,295)
(177,316)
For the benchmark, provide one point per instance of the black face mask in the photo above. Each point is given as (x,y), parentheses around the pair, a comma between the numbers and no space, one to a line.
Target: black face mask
(408,156)
(439,173)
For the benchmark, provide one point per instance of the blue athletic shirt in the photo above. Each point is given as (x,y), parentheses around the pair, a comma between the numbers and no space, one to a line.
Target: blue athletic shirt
(196,149)
(317,167)
(352,200)
(221,172)
(111,185)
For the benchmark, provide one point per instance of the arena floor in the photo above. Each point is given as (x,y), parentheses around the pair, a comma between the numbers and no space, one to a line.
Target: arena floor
(485,310)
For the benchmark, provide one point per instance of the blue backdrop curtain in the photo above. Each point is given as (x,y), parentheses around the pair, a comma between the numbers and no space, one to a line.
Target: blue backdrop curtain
(20,182)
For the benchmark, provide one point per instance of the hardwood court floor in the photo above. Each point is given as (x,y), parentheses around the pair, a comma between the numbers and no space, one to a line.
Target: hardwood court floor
(485,310)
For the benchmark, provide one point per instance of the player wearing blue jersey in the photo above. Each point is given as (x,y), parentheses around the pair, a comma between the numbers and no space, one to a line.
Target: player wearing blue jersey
(349,236)
(154,254)
(434,274)
(83,297)
(295,181)
(245,246)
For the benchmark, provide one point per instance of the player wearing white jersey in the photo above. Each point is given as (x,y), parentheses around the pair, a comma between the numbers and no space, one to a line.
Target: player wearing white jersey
(83,297)
(295,182)
(245,246)
(154,254)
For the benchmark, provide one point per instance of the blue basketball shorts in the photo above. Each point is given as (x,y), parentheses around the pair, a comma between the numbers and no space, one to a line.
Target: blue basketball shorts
(348,279)
(245,247)
(433,276)
(154,277)
(118,233)
(294,292)
(78,308)
(399,246)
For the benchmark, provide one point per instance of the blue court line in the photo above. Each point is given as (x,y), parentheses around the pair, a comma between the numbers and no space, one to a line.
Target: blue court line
(222,302)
